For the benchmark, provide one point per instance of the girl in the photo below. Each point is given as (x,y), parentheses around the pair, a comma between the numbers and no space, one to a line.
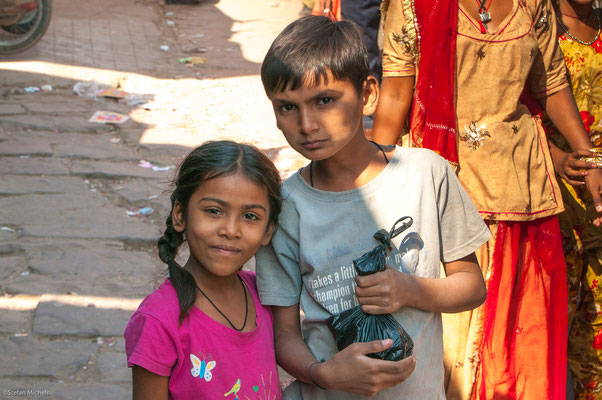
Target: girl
(203,334)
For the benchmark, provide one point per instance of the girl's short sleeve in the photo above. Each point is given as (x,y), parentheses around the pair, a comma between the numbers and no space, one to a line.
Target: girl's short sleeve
(399,43)
(548,74)
(149,345)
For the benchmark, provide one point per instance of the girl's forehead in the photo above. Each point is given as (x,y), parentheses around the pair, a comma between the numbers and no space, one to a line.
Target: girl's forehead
(234,186)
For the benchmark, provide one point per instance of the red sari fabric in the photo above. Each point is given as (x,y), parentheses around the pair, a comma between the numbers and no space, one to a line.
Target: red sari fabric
(525,314)
(433,122)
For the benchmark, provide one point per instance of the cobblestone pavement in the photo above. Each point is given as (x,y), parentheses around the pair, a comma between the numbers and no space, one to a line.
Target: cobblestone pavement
(73,263)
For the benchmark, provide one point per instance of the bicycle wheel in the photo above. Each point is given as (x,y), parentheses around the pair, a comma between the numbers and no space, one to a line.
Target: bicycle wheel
(28,31)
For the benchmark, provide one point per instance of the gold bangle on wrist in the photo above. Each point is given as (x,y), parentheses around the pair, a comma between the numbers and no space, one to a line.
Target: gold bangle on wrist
(596,159)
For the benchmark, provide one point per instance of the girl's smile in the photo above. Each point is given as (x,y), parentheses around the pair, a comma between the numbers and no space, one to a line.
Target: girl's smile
(226,249)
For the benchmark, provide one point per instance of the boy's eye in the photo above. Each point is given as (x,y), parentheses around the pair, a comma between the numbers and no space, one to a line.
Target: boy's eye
(326,100)
(213,211)
(287,107)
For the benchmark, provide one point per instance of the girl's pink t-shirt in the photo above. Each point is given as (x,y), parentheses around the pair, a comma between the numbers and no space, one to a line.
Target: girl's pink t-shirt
(203,358)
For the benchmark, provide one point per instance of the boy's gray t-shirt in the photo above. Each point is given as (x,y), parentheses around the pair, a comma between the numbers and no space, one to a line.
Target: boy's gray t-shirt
(309,260)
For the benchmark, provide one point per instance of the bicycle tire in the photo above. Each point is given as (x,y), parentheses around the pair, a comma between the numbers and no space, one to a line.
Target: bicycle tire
(19,28)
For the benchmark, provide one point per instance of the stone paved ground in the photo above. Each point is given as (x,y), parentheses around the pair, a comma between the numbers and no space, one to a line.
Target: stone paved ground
(73,263)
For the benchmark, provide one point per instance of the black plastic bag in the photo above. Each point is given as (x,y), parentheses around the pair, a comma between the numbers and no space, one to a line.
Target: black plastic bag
(354,325)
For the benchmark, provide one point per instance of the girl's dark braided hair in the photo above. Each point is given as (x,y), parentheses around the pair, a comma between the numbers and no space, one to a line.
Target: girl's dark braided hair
(211,160)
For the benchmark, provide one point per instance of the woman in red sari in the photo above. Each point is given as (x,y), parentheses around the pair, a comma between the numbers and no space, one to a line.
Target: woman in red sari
(461,67)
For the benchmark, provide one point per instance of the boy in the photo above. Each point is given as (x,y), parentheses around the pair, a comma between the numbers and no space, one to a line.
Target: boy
(316,76)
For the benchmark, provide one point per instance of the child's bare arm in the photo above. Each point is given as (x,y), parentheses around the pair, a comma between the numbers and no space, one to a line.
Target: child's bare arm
(349,370)
(394,101)
(462,289)
(149,386)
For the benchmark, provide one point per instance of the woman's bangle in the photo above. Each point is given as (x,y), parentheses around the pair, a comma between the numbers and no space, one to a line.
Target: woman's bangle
(311,377)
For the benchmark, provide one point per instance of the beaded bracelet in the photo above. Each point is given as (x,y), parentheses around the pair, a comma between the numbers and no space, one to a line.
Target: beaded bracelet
(311,378)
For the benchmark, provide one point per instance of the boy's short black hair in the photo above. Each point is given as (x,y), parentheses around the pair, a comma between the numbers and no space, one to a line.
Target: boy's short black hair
(308,48)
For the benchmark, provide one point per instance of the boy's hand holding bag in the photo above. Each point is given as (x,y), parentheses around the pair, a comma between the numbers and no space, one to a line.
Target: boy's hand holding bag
(354,325)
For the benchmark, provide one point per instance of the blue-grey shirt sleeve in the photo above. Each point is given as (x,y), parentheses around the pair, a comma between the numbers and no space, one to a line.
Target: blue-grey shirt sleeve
(279,280)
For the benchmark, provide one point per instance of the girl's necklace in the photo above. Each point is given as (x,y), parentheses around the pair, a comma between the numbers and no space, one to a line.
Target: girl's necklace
(566,30)
(244,288)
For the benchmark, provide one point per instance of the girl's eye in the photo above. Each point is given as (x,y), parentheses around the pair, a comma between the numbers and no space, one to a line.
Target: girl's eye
(251,216)
(326,100)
